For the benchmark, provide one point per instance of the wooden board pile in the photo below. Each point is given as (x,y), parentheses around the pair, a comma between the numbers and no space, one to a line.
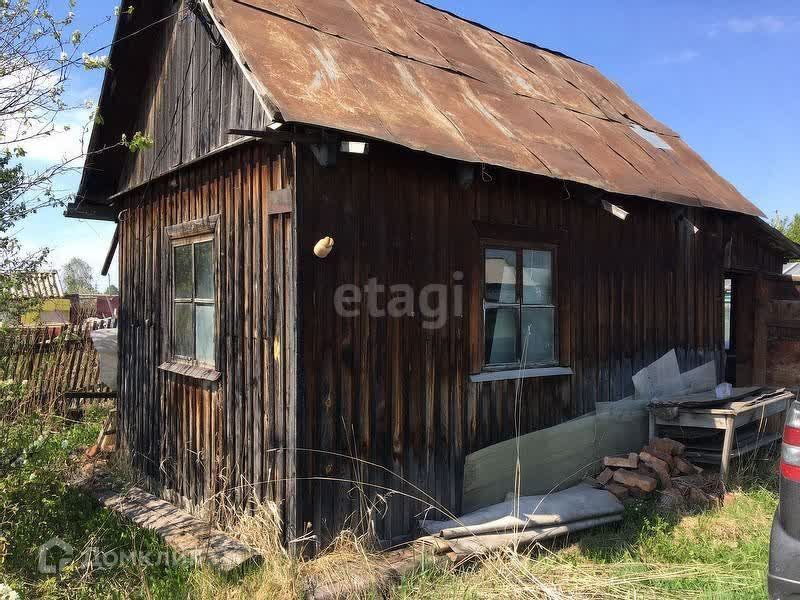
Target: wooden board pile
(661,465)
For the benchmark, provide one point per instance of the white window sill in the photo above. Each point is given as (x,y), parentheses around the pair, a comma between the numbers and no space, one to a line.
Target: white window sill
(189,370)
(520,374)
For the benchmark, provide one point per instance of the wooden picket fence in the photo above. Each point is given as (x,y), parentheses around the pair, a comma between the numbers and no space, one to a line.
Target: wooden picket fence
(52,365)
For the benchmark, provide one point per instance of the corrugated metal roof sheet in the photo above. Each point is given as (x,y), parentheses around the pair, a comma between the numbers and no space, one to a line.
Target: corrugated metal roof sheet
(37,285)
(405,72)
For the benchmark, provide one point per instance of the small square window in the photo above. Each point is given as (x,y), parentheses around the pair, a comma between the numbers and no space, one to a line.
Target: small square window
(538,329)
(519,307)
(182,268)
(537,277)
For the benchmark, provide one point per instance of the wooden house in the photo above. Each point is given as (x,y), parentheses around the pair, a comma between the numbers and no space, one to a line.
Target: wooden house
(499,213)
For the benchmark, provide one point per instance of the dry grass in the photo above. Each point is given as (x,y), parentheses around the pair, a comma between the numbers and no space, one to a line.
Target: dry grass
(348,563)
(716,554)
(553,577)
(720,553)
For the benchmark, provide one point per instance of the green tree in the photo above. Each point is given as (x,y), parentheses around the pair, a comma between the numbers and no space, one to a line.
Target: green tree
(112,290)
(14,262)
(78,277)
(39,52)
(790,227)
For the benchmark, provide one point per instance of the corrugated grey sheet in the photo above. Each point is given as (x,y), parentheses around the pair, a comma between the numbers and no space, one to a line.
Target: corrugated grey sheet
(37,285)
(556,457)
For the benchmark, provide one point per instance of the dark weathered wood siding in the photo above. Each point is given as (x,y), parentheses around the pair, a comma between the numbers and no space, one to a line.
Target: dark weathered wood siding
(391,392)
(184,92)
(195,92)
(337,417)
(387,395)
(747,249)
(782,330)
(194,438)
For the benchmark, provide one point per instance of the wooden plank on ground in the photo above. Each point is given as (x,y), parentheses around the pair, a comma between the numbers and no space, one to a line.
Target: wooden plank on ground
(185,534)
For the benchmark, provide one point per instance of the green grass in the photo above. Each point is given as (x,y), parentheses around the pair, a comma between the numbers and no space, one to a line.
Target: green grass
(36,504)
(721,553)
(716,554)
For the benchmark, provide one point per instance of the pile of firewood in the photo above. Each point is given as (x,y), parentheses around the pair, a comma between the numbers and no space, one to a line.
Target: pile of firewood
(661,466)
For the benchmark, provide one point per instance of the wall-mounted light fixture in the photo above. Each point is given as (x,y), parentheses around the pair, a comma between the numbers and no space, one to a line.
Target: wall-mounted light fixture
(614,210)
(351,147)
(323,247)
(275,125)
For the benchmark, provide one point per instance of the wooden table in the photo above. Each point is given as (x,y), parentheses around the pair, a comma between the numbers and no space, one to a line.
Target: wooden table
(727,418)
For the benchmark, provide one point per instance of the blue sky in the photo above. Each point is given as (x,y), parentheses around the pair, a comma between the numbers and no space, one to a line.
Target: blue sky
(724,74)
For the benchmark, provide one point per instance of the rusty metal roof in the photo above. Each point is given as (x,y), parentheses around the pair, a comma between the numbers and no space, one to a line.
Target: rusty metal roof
(407,73)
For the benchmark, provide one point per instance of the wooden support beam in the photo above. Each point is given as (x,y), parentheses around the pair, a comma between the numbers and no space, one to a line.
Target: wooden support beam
(761,301)
(93,395)
(111,251)
(283,136)
(95,212)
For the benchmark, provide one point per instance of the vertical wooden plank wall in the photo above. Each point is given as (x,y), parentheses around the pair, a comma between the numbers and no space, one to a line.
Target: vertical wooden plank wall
(194,438)
(782,332)
(390,392)
(193,94)
(746,251)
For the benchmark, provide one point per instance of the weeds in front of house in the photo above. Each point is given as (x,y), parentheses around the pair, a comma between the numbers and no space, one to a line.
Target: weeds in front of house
(350,562)
(37,504)
(721,553)
(38,460)
(717,554)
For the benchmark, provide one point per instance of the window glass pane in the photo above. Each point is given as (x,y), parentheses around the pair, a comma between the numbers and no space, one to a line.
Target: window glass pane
(205,333)
(183,330)
(204,269)
(501,275)
(501,335)
(538,326)
(537,277)
(183,271)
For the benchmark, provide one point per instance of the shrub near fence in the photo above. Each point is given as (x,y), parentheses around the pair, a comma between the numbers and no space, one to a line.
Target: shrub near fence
(47,362)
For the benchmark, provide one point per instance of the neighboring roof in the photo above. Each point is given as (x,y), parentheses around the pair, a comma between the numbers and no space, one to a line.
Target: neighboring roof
(407,73)
(38,285)
(93,296)
(792,269)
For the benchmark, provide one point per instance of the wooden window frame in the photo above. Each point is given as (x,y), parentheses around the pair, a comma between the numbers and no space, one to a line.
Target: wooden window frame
(519,247)
(175,236)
